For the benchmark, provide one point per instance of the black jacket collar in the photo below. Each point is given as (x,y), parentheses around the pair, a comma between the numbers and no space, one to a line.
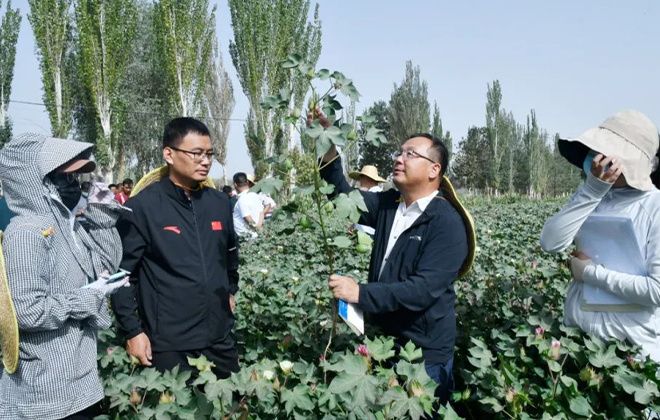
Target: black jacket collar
(177,193)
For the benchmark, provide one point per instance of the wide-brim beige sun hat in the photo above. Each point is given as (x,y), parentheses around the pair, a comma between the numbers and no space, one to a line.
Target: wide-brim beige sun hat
(629,135)
(370,171)
(8,321)
(449,193)
(156,175)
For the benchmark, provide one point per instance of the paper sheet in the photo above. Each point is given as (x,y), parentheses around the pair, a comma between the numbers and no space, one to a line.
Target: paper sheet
(609,241)
(352,315)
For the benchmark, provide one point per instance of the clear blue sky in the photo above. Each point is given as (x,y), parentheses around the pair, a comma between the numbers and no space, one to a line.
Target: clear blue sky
(574,62)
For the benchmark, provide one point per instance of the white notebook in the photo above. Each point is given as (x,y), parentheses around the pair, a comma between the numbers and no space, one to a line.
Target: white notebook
(609,241)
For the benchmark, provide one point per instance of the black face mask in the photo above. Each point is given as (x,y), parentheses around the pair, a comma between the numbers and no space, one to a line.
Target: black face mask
(68,188)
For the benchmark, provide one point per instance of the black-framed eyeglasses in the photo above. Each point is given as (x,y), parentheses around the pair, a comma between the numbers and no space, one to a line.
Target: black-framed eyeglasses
(197,156)
(410,154)
(64,177)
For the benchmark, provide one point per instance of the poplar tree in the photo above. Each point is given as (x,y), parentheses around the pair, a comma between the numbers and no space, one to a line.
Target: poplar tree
(409,105)
(267,32)
(106,31)
(51,24)
(219,104)
(9,28)
(185,32)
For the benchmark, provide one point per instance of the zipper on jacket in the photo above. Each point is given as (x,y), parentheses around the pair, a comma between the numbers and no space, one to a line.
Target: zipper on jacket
(201,255)
(199,240)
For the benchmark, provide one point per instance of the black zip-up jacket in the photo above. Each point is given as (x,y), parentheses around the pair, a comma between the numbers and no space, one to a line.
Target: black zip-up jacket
(183,254)
(414,297)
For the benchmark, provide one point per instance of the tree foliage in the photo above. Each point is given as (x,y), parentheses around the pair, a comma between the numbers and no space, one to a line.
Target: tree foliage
(409,105)
(506,156)
(266,32)
(106,30)
(378,155)
(445,137)
(185,33)
(143,100)
(9,28)
(219,104)
(51,22)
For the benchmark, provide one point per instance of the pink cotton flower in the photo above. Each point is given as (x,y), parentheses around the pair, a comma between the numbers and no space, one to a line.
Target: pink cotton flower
(555,349)
(539,332)
(362,350)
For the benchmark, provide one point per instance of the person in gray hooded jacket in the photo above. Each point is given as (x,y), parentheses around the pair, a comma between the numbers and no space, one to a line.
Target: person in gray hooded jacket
(53,264)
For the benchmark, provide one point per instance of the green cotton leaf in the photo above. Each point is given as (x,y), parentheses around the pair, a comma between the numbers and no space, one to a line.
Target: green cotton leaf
(323,74)
(447,413)
(415,373)
(364,239)
(350,363)
(201,363)
(346,208)
(291,61)
(362,389)
(569,382)
(403,406)
(334,135)
(380,349)
(314,130)
(338,76)
(350,90)
(580,406)
(327,189)
(366,119)
(357,198)
(410,353)
(342,241)
(323,144)
(636,384)
(375,136)
(554,366)
(150,379)
(268,186)
(605,358)
(297,398)
(493,403)
(219,390)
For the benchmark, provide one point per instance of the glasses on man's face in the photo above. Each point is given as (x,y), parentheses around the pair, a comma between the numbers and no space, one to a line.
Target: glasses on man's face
(196,155)
(410,154)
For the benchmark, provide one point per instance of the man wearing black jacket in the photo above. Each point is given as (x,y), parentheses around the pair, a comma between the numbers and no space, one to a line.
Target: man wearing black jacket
(181,248)
(420,245)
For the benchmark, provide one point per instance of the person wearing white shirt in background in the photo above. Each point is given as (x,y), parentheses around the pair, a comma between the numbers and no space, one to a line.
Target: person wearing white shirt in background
(618,158)
(249,211)
(368,180)
(266,200)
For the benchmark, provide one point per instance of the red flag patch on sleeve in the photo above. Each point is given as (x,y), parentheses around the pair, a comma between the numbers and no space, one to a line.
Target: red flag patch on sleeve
(216,225)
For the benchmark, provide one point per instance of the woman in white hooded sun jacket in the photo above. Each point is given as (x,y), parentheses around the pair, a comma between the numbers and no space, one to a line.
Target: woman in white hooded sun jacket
(52,264)
(618,157)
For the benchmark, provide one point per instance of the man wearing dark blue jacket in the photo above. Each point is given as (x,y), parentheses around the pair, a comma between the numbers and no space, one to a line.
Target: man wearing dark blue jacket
(420,245)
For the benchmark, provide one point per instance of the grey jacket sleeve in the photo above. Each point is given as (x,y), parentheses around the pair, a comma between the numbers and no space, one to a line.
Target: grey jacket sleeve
(104,243)
(36,308)
(560,230)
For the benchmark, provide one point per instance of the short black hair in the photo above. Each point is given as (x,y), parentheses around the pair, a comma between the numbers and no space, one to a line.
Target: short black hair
(227,189)
(112,185)
(240,178)
(127,181)
(179,128)
(438,148)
